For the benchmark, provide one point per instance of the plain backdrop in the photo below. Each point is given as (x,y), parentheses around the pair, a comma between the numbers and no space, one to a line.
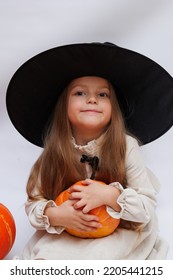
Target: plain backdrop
(29,27)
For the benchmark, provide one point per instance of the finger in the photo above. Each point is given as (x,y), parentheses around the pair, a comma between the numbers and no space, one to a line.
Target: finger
(84,228)
(95,225)
(87,181)
(92,225)
(69,203)
(79,204)
(85,209)
(75,188)
(73,202)
(89,217)
(75,195)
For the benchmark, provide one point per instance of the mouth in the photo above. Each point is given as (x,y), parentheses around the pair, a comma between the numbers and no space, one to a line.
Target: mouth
(90,111)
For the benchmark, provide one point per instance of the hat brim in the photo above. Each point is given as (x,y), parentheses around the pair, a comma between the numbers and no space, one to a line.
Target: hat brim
(146,88)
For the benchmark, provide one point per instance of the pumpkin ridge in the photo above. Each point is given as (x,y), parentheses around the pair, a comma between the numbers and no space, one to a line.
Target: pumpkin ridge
(8,229)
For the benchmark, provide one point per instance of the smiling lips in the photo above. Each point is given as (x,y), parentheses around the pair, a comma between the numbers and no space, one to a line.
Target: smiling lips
(90,111)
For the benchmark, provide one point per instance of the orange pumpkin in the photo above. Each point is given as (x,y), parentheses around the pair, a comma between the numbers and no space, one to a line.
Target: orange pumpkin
(109,224)
(7,231)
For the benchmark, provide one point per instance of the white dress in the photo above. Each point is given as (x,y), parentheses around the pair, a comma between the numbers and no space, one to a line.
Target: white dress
(137,202)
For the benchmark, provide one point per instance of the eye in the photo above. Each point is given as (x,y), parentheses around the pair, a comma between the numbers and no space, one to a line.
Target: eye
(79,93)
(103,94)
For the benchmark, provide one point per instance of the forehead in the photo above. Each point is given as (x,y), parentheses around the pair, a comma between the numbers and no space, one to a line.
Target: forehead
(89,81)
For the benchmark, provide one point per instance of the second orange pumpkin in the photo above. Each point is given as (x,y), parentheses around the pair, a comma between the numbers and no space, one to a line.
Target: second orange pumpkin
(7,231)
(109,224)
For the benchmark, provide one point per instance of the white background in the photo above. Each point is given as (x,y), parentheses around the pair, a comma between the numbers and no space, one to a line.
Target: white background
(28,27)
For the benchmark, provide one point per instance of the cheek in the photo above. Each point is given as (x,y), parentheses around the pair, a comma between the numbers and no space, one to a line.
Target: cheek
(70,114)
(72,110)
(108,112)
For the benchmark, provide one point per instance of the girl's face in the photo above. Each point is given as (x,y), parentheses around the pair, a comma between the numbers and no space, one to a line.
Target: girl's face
(89,106)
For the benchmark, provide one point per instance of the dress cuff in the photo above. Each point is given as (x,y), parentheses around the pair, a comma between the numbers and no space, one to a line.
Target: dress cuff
(48,227)
(112,212)
(117,185)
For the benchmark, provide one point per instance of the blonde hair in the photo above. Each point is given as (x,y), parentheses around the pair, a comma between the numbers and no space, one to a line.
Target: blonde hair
(57,168)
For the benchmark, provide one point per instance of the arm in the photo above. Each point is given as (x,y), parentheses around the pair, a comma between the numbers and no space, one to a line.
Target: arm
(46,215)
(138,201)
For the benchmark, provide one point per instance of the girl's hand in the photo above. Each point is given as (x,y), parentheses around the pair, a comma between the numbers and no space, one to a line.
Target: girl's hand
(67,216)
(94,194)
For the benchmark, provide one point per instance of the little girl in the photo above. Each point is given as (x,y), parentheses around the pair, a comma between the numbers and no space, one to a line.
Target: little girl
(78,108)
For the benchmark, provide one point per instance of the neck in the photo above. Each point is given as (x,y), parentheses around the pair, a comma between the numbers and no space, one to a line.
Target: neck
(83,139)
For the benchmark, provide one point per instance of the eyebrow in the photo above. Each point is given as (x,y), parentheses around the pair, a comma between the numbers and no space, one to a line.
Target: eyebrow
(85,86)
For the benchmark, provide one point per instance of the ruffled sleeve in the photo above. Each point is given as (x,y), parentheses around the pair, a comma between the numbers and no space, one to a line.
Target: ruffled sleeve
(35,211)
(138,200)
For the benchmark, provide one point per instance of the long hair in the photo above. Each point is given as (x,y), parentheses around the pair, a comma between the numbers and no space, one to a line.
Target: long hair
(57,168)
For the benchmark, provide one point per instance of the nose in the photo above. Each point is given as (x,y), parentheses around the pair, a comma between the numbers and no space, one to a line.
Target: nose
(92,99)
